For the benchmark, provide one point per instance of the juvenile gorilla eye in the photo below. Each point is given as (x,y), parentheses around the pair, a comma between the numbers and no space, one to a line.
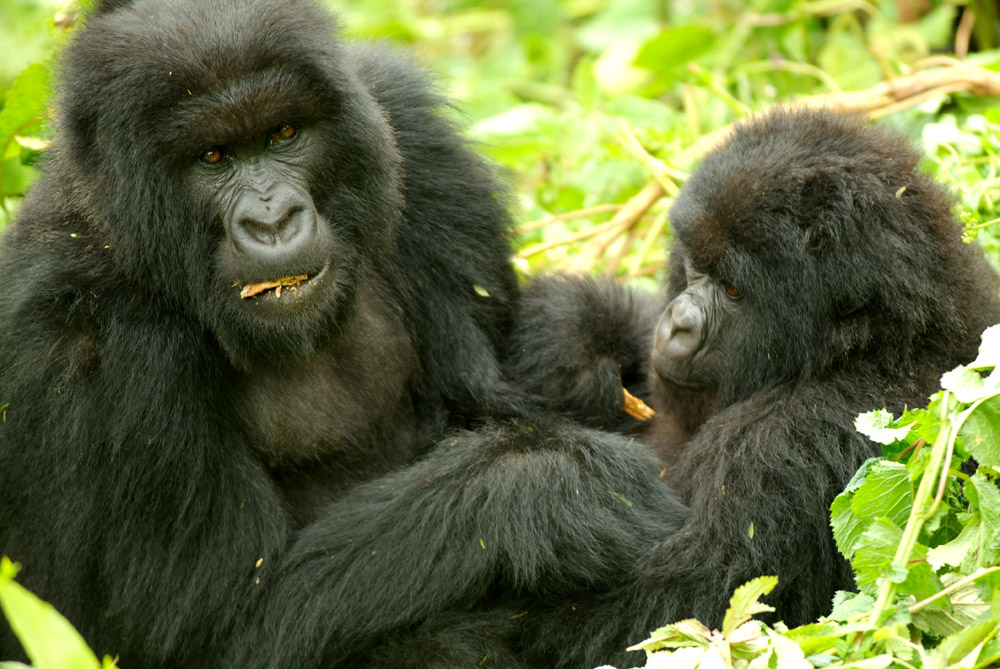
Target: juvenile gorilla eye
(732,291)
(283,133)
(213,155)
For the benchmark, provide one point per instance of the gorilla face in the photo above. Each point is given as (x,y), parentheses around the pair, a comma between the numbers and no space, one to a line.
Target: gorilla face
(264,182)
(689,342)
(277,248)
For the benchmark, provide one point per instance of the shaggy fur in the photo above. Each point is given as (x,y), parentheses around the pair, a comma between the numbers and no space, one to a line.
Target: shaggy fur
(858,293)
(195,480)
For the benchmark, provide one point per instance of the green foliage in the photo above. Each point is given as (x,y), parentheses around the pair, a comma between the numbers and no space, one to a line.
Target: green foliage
(48,639)
(20,121)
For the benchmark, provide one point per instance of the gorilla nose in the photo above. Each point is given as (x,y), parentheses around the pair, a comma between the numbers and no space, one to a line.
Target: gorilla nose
(681,328)
(274,225)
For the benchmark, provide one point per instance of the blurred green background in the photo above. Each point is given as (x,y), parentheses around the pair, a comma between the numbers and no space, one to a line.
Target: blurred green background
(585,102)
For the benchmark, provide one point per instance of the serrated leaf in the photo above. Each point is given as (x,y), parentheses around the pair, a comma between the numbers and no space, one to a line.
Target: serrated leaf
(965,384)
(873,558)
(849,604)
(681,634)
(886,492)
(847,527)
(876,425)
(959,645)
(880,489)
(981,433)
(745,604)
(984,498)
(956,612)
(956,551)
(859,476)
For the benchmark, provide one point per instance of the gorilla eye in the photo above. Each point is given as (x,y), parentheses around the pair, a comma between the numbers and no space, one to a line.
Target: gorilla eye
(213,155)
(732,291)
(283,133)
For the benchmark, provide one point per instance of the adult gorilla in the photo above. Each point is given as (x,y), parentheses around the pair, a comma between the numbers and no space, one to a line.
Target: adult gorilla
(259,280)
(816,273)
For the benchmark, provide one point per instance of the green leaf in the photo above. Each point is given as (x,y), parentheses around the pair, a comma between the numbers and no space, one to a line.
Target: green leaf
(48,638)
(873,558)
(981,433)
(849,604)
(989,349)
(668,53)
(956,551)
(876,426)
(679,635)
(958,646)
(887,492)
(880,489)
(847,527)
(984,498)
(959,610)
(965,384)
(744,604)
(25,101)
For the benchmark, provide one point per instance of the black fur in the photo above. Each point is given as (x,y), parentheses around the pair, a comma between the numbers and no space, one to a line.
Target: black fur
(857,293)
(334,480)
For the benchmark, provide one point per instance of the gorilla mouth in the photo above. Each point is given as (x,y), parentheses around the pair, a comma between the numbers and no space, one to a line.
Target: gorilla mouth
(274,287)
(255,289)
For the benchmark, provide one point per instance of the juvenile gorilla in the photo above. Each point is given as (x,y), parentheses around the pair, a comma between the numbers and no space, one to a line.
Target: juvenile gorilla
(816,273)
(248,352)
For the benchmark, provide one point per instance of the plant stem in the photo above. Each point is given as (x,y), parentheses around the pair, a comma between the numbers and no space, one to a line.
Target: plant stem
(921,501)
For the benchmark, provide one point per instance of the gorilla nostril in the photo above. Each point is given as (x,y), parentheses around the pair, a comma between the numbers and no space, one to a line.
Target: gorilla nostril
(275,227)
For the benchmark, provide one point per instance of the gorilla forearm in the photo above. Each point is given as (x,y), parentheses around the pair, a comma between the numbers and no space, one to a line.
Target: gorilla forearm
(498,508)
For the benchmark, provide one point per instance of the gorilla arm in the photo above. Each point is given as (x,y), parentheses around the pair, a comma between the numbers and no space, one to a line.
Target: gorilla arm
(521,507)
(759,493)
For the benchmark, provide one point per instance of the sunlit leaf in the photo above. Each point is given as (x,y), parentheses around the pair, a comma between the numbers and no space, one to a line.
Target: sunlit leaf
(48,638)
(876,425)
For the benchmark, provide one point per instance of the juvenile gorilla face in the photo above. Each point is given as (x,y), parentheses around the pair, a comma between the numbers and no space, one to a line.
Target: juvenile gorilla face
(690,339)
(277,247)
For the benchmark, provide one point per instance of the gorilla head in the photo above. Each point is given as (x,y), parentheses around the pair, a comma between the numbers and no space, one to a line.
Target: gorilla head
(272,165)
(807,241)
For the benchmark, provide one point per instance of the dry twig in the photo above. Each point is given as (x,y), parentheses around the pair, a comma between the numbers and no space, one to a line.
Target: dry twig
(939,75)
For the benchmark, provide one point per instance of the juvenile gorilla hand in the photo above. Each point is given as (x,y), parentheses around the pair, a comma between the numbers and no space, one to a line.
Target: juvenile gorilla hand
(578,341)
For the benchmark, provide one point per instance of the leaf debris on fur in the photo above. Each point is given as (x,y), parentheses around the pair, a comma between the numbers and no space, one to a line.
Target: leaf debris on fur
(254,289)
(636,408)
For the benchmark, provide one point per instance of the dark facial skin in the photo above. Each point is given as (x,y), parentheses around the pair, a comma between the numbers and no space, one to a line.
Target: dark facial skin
(688,348)
(272,227)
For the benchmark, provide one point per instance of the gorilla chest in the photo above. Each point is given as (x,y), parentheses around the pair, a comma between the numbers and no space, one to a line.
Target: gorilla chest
(339,415)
